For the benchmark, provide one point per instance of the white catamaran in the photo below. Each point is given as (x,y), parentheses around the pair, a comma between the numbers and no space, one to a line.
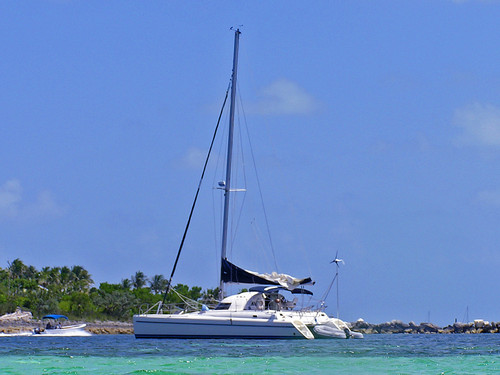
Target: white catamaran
(262,312)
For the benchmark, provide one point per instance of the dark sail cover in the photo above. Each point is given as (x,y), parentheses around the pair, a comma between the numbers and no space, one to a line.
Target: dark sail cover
(234,274)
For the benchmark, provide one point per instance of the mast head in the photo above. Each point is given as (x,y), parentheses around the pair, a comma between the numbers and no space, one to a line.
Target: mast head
(236,29)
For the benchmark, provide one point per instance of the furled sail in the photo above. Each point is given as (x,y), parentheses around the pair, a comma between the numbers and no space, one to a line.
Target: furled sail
(234,274)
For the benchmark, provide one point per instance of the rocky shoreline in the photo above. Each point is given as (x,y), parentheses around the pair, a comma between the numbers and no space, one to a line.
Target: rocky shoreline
(110,328)
(397,326)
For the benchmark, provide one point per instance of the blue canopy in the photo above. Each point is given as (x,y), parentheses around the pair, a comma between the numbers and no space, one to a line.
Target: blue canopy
(55,316)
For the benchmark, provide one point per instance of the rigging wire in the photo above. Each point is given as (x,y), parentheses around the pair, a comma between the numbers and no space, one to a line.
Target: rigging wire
(330,288)
(258,185)
(235,179)
(293,218)
(195,198)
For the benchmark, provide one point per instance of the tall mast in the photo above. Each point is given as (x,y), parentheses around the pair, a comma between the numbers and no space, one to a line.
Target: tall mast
(227,186)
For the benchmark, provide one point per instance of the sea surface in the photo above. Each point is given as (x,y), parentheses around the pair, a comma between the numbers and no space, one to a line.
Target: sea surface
(375,354)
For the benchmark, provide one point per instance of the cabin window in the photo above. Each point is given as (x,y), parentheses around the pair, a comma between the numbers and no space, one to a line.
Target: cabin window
(222,306)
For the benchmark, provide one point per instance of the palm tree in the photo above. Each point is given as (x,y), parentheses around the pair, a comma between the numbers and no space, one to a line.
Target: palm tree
(158,283)
(139,280)
(126,284)
(44,276)
(31,272)
(65,278)
(210,296)
(54,278)
(82,278)
(17,268)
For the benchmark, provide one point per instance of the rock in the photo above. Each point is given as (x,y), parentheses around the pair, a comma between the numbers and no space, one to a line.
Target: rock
(110,327)
(461,327)
(394,326)
(360,324)
(397,326)
(479,323)
(429,327)
(17,315)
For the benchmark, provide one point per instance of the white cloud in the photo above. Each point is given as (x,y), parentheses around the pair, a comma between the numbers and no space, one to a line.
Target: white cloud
(284,97)
(10,198)
(489,197)
(194,158)
(12,205)
(480,124)
(45,205)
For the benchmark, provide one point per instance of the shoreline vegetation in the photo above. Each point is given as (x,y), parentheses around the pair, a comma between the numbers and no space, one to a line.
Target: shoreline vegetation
(27,294)
(71,291)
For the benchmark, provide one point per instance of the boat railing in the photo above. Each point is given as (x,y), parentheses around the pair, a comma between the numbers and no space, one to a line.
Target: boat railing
(160,308)
(172,308)
(311,309)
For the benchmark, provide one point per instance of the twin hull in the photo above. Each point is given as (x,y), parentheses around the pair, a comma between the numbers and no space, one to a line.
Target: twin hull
(223,324)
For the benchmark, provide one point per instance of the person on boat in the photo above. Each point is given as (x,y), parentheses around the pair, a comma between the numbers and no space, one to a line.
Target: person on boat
(276,303)
(266,301)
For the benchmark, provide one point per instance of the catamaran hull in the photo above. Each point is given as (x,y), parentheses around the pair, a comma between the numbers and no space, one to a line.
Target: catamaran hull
(242,325)
(148,326)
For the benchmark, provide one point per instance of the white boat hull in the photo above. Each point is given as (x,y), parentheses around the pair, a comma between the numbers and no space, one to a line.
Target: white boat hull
(178,326)
(75,330)
(215,325)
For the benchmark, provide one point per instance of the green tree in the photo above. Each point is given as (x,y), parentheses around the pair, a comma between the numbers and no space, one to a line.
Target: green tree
(17,269)
(77,303)
(81,279)
(31,273)
(54,277)
(139,280)
(158,283)
(126,284)
(65,278)
(44,303)
(107,288)
(44,277)
(210,296)
(118,304)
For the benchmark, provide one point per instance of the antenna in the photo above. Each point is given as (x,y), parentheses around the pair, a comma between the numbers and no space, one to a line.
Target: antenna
(337,261)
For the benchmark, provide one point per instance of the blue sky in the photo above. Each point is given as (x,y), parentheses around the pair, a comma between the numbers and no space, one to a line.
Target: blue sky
(375,128)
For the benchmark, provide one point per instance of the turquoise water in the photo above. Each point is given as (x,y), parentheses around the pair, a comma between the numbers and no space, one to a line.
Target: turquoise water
(382,354)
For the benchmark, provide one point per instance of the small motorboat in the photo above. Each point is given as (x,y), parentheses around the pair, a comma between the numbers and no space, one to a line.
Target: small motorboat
(52,326)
